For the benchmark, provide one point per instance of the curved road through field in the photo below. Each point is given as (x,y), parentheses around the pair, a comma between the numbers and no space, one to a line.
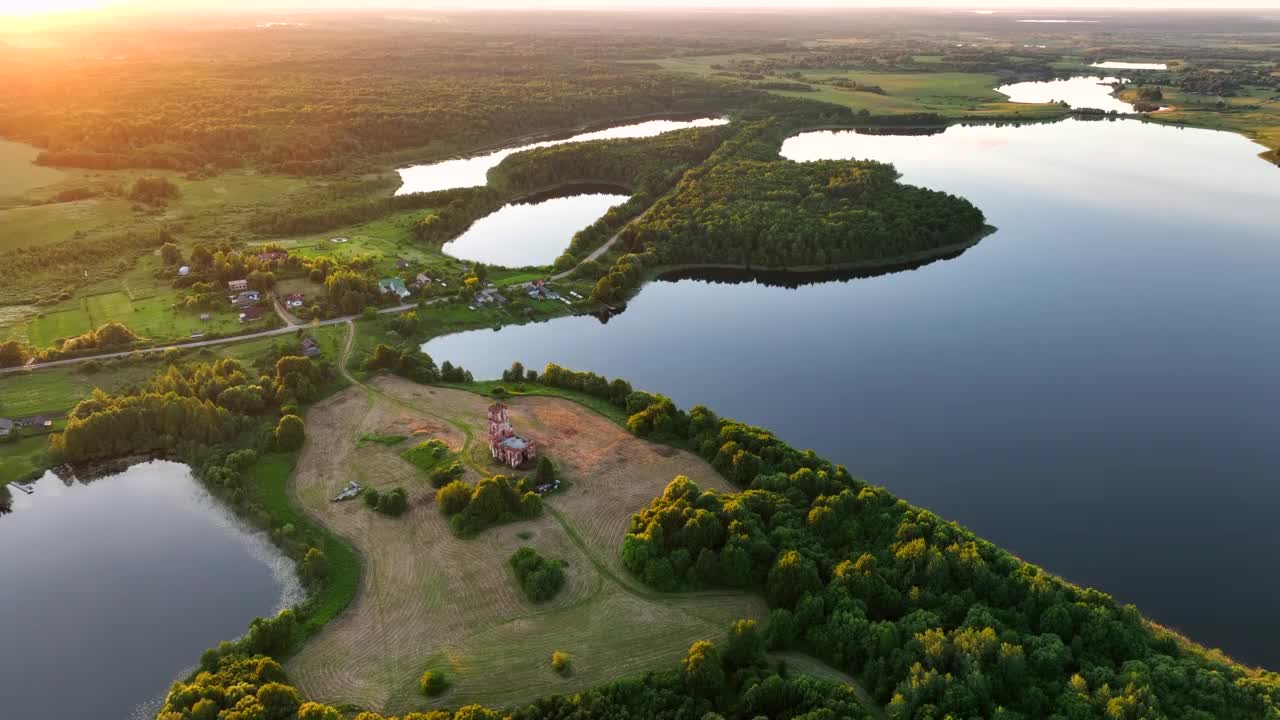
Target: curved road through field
(288,328)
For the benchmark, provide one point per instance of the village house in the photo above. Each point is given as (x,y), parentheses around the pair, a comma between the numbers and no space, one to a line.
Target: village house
(248,297)
(6,427)
(393,286)
(505,445)
(490,296)
(295,300)
(274,256)
(310,348)
(251,313)
(421,281)
(238,285)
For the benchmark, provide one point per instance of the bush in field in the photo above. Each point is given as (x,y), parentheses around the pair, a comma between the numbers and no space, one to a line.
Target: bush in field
(433,683)
(561,662)
(454,497)
(393,502)
(290,433)
(541,578)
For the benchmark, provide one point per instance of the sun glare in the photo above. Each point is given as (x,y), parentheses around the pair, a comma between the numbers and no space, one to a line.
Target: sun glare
(25,8)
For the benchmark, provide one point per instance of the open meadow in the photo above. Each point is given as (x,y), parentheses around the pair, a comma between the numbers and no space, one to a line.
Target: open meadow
(431,600)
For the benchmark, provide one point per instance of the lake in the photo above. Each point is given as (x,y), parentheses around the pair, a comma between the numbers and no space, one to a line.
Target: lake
(1078,92)
(472,170)
(1094,386)
(1119,65)
(112,588)
(536,230)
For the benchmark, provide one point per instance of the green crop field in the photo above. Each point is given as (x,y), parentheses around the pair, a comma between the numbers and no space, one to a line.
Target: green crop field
(18,171)
(20,459)
(47,330)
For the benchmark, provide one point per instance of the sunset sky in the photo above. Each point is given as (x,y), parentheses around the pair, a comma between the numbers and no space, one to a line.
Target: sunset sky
(29,7)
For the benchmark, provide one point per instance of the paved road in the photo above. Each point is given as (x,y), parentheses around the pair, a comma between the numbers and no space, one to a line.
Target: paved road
(603,248)
(204,343)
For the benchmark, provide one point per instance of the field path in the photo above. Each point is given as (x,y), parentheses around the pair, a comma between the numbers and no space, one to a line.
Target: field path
(431,600)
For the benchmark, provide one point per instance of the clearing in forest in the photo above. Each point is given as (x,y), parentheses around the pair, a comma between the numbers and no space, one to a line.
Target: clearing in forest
(431,600)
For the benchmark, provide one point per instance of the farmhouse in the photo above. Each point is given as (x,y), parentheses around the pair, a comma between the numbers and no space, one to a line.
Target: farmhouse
(504,444)
(393,286)
(248,297)
(238,285)
(310,348)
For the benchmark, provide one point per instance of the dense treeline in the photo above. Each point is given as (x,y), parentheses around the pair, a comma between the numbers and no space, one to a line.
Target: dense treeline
(650,164)
(778,214)
(414,364)
(732,682)
(194,404)
(312,102)
(466,206)
(785,214)
(934,620)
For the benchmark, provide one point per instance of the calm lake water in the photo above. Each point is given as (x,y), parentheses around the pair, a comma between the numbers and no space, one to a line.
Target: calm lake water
(534,232)
(1078,92)
(1119,65)
(112,588)
(471,171)
(1095,386)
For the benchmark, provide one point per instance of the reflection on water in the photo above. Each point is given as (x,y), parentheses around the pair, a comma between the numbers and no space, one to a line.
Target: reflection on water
(794,280)
(1078,92)
(110,589)
(1094,386)
(471,171)
(536,231)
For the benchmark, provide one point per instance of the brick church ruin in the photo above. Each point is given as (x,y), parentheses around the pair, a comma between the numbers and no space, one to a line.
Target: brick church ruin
(506,446)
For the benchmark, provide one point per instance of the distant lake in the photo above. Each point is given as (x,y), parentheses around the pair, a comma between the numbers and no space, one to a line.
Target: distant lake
(1118,65)
(471,171)
(536,231)
(1078,92)
(110,589)
(1095,386)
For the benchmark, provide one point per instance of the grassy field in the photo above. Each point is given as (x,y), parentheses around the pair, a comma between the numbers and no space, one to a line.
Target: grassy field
(270,487)
(153,318)
(1255,114)
(386,239)
(20,459)
(56,390)
(431,600)
(950,94)
(18,171)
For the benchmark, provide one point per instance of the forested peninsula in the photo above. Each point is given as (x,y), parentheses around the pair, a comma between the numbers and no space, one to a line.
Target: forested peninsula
(933,621)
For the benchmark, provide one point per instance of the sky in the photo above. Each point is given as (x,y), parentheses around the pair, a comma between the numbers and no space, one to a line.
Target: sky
(36,7)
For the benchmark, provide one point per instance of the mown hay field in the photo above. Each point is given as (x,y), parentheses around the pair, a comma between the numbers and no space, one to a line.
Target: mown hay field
(431,600)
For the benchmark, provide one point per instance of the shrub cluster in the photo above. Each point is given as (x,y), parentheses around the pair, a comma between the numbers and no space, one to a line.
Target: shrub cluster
(493,501)
(540,577)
